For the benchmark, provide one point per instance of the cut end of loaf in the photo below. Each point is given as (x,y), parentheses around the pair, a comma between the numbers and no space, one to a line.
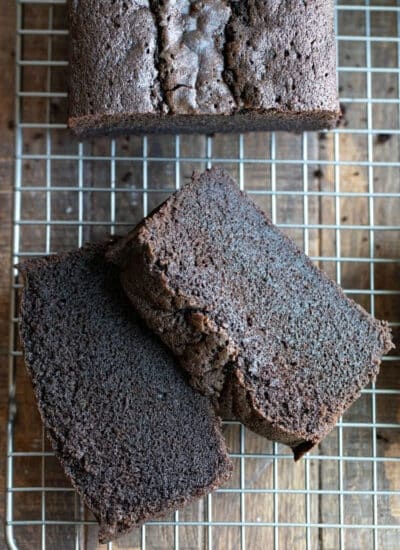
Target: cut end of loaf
(136,441)
(227,291)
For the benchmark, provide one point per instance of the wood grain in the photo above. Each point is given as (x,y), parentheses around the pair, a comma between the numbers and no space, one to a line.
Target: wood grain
(7,26)
(96,206)
(355,210)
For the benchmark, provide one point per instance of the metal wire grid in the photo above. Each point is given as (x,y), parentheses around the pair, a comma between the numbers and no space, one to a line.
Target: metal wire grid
(43,230)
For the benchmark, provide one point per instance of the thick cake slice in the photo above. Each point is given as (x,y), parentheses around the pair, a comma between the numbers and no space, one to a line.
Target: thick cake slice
(136,440)
(254,322)
(144,66)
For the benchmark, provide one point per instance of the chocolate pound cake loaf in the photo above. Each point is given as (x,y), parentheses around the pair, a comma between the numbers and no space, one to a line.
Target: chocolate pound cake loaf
(143,66)
(136,440)
(255,323)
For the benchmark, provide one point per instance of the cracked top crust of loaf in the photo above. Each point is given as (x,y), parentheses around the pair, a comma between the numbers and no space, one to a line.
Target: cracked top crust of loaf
(209,65)
(135,439)
(253,321)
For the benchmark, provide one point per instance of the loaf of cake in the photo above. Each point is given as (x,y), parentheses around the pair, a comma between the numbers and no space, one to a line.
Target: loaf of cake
(258,327)
(206,66)
(135,439)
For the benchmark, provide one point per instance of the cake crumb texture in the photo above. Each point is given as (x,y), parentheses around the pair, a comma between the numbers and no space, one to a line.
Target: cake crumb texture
(258,327)
(135,439)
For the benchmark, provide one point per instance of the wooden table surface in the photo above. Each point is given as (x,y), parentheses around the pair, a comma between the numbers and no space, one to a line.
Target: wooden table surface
(7,70)
(321,475)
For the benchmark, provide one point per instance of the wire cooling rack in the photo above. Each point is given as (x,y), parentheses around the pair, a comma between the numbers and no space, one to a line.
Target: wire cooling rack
(337,194)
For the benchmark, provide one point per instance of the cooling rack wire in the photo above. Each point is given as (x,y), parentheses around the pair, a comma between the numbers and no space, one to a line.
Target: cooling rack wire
(337,194)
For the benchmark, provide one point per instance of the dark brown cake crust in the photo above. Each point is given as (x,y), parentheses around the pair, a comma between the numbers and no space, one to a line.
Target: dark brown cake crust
(136,441)
(254,322)
(212,66)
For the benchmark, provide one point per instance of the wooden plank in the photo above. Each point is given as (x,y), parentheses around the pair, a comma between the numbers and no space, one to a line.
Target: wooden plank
(359,476)
(386,148)
(7,25)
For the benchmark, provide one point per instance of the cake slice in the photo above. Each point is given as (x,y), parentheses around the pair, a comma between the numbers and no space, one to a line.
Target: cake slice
(258,327)
(135,439)
(211,66)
